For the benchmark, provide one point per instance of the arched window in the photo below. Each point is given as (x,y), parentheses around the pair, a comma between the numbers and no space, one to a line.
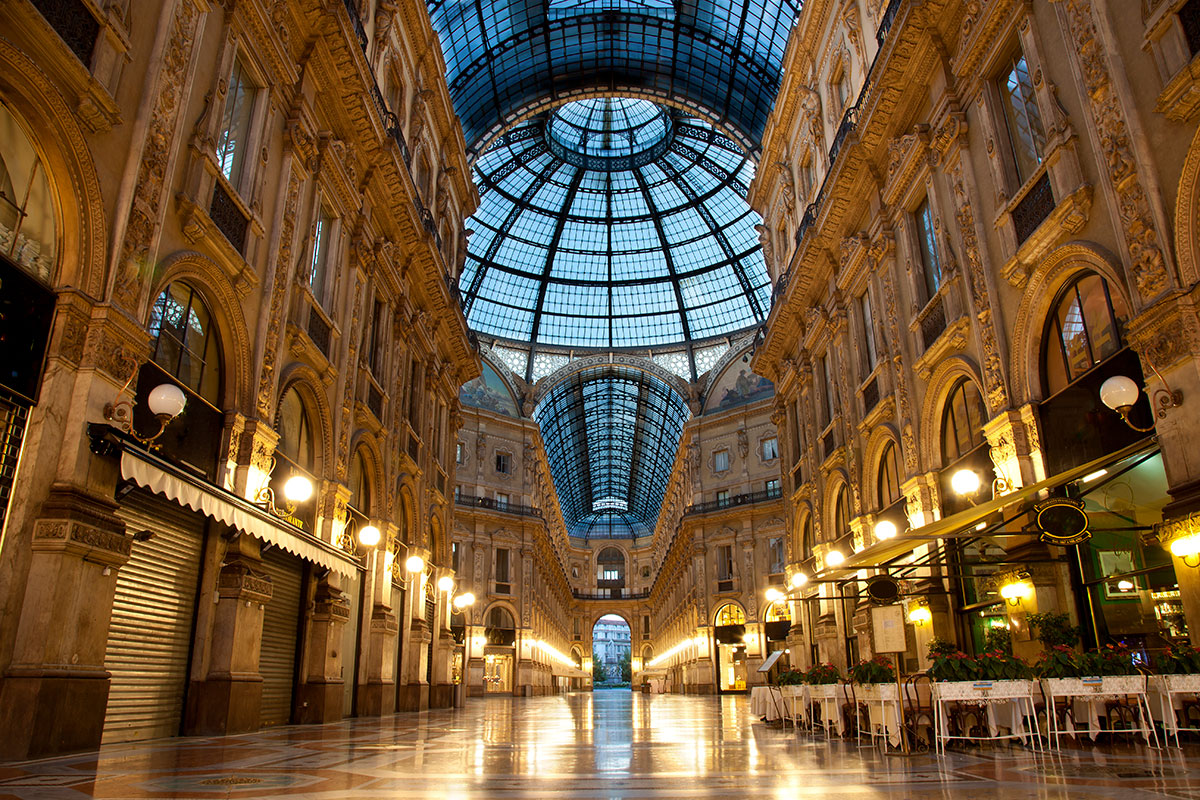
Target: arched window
(185,341)
(841,513)
(888,482)
(1084,329)
(731,614)
(611,564)
(778,612)
(401,519)
(28,231)
(806,538)
(360,483)
(295,432)
(500,628)
(962,421)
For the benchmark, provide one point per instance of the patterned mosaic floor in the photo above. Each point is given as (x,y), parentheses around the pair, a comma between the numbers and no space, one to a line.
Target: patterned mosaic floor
(612,744)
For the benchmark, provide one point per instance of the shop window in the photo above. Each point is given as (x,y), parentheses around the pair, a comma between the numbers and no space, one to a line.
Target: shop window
(888,483)
(927,248)
(28,230)
(730,614)
(962,421)
(1084,330)
(1022,118)
(233,140)
(185,341)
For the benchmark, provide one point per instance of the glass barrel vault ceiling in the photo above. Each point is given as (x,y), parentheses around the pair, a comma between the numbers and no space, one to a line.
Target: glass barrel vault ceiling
(611,434)
(613,223)
(506,59)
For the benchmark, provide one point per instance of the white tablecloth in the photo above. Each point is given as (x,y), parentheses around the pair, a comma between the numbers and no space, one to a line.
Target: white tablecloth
(765,702)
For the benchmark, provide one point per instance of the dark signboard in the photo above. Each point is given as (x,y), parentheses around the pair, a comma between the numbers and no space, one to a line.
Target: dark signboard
(1062,521)
(26,314)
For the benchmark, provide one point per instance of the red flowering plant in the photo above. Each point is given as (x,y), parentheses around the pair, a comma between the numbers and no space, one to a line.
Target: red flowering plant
(956,666)
(997,665)
(877,670)
(1179,659)
(1058,661)
(1109,660)
(822,674)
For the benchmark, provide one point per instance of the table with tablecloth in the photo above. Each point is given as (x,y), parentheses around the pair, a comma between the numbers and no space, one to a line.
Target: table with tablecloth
(1088,699)
(1006,705)
(766,702)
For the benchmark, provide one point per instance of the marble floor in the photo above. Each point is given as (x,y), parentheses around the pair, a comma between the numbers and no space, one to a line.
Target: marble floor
(611,744)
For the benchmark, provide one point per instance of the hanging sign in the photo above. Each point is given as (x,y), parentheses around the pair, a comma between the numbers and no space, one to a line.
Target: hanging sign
(1062,521)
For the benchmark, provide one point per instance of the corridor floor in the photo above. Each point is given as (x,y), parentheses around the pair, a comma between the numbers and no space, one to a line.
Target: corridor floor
(611,744)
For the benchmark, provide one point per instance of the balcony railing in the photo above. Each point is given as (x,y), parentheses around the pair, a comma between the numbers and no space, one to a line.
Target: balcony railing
(611,594)
(737,500)
(495,505)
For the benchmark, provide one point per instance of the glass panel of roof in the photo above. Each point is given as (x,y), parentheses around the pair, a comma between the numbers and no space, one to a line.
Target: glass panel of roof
(608,251)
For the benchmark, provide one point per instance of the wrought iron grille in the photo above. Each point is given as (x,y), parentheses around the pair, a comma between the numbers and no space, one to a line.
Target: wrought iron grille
(74,23)
(319,331)
(228,217)
(375,400)
(1033,209)
(933,323)
(870,395)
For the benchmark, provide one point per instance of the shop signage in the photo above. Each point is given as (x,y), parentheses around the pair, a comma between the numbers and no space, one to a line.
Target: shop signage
(1062,521)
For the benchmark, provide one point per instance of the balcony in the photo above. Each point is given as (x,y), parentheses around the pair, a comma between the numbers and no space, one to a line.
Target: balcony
(611,594)
(492,504)
(737,500)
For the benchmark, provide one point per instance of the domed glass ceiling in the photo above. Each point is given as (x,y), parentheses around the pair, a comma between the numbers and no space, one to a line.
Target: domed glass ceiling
(613,223)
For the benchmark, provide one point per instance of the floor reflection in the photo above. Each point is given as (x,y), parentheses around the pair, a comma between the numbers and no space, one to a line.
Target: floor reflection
(610,744)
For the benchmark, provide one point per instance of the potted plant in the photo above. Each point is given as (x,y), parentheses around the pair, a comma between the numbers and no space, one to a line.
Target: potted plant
(822,680)
(875,678)
(996,673)
(1178,668)
(790,682)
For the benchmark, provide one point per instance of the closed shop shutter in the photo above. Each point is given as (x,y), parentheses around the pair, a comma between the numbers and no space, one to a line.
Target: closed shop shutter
(398,608)
(281,623)
(149,638)
(353,592)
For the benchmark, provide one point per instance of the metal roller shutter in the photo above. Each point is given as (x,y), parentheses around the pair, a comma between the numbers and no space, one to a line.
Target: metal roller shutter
(149,637)
(350,643)
(398,607)
(281,623)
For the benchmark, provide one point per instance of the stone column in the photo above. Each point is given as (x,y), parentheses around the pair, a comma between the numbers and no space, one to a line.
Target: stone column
(377,695)
(413,689)
(922,499)
(319,696)
(229,697)
(55,691)
(1014,446)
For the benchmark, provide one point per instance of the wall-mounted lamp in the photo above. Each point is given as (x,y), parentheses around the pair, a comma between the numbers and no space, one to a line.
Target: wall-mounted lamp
(464,600)
(445,583)
(296,489)
(834,558)
(1017,588)
(885,529)
(920,615)
(1120,393)
(799,579)
(1125,585)
(1187,548)
(966,483)
(415,564)
(369,536)
(166,402)
(773,595)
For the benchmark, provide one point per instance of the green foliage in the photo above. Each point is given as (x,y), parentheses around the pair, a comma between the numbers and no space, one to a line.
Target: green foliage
(625,664)
(952,666)
(822,674)
(1054,629)
(878,670)
(1179,659)
(991,666)
(599,673)
(1058,661)
(997,640)
(791,677)
(941,647)
(1109,660)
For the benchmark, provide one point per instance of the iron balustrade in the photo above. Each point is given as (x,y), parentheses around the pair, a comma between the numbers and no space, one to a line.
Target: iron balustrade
(578,595)
(737,500)
(468,501)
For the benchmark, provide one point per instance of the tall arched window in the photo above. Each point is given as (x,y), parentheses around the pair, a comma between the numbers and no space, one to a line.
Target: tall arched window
(1084,329)
(401,519)
(295,433)
(185,341)
(962,421)
(841,513)
(360,484)
(806,537)
(888,483)
(28,230)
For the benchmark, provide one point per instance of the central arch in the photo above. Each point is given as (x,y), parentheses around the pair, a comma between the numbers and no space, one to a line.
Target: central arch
(611,652)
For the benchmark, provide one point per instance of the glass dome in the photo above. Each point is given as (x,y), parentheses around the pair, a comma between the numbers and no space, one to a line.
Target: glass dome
(613,224)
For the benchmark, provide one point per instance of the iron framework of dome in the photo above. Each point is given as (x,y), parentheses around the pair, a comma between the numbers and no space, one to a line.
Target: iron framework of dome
(507,59)
(611,435)
(613,224)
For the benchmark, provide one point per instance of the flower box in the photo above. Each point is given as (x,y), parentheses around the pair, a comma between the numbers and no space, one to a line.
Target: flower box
(875,692)
(1100,686)
(1176,683)
(982,690)
(793,690)
(824,691)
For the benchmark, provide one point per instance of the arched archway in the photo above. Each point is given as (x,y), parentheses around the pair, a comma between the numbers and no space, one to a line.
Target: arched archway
(729,630)
(611,653)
